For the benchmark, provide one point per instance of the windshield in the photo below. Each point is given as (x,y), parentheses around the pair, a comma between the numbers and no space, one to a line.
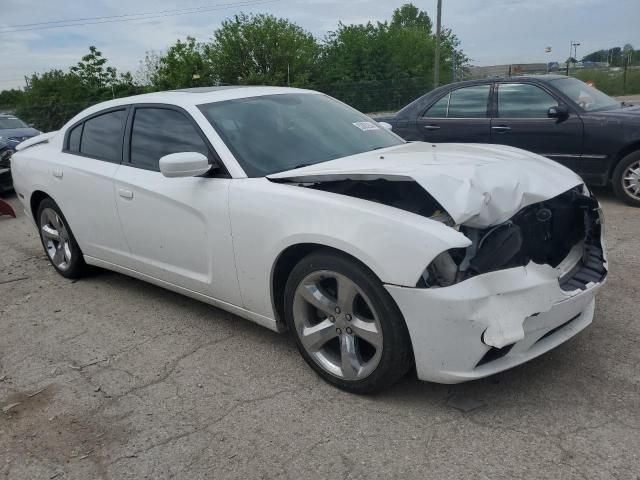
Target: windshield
(11,122)
(274,133)
(585,96)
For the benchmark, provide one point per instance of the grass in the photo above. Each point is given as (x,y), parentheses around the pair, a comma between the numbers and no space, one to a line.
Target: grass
(612,82)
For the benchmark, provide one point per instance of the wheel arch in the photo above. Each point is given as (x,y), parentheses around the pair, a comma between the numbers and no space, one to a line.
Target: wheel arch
(284,264)
(626,150)
(37,196)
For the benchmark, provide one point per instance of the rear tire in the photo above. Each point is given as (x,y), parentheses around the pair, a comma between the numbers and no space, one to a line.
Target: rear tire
(58,241)
(345,324)
(626,179)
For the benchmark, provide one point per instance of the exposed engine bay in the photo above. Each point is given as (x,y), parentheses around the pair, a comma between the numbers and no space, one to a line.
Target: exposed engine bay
(544,233)
(406,195)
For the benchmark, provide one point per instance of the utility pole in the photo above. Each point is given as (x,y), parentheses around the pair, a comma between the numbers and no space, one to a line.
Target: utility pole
(436,67)
(625,60)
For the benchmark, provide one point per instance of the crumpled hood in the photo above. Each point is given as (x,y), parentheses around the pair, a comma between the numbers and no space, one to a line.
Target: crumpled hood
(479,185)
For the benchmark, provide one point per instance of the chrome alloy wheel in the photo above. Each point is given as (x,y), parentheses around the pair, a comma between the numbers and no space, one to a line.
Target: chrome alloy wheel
(55,237)
(631,180)
(337,325)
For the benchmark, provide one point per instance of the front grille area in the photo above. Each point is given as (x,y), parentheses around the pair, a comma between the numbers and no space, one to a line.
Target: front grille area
(542,233)
(558,328)
(494,354)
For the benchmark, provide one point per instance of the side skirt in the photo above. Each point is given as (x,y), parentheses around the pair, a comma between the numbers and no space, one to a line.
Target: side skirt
(267,322)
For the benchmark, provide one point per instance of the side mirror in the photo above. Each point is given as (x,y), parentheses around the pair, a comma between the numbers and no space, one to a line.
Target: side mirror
(386,125)
(559,111)
(184,164)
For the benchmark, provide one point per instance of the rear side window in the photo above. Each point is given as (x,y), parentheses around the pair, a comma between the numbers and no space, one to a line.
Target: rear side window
(521,100)
(158,132)
(102,136)
(469,102)
(74,138)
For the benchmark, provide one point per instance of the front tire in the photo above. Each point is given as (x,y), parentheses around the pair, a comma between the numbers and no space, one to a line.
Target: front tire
(345,324)
(626,179)
(58,241)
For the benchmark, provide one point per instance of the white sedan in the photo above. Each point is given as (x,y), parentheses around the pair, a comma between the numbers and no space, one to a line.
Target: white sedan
(290,209)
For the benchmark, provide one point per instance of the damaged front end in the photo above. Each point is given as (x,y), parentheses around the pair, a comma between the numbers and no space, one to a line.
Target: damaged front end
(520,289)
(563,232)
(520,278)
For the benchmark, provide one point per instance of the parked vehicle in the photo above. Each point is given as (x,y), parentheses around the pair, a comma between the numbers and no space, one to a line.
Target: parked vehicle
(293,210)
(6,183)
(12,132)
(559,117)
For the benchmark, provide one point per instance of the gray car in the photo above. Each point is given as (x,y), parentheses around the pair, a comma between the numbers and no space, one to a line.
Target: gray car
(12,132)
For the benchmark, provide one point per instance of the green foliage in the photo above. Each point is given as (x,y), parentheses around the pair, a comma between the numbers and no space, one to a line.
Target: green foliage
(384,66)
(9,99)
(262,49)
(184,65)
(409,16)
(612,83)
(92,70)
(615,56)
(52,98)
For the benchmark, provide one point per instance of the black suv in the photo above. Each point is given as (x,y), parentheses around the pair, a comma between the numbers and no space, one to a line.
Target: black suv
(559,117)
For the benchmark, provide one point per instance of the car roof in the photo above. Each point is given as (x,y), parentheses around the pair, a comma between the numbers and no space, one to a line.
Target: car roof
(199,96)
(519,78)
(190,97)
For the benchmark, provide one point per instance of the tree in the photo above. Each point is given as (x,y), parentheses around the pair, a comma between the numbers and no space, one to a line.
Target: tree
(409,16)
(9,99)
(92,70)
(185,64)
(52,98)
(262,49)
(615,56)
(384,65)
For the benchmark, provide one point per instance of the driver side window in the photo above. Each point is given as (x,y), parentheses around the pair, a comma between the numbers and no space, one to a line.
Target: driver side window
(522,100)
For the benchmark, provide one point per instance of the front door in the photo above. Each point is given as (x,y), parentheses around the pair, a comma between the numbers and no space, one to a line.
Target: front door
(459,116)
(177,229)
(521,120)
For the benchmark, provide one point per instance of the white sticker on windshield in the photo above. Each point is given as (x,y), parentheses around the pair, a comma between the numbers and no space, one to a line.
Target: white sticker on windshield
(365,126)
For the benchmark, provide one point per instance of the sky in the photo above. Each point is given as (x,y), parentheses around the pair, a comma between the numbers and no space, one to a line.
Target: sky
(491,31)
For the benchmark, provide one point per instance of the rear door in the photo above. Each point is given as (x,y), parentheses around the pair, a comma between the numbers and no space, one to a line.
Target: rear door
(177,229)
(83,182)
(521,120)
(459,116)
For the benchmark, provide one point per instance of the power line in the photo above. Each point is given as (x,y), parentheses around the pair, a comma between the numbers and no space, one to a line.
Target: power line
(109,16)
(139,16)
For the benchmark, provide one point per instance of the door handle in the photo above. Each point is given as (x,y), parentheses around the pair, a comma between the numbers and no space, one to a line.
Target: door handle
(432,127)
(57,173)
(501,129)
(124,193)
